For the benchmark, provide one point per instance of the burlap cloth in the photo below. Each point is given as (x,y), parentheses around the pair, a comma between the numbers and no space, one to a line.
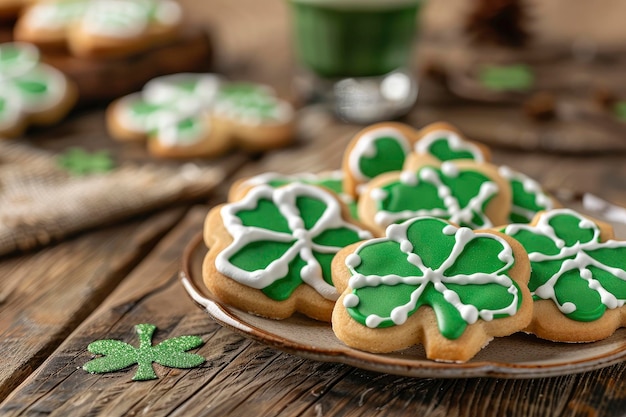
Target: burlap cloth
(40,202)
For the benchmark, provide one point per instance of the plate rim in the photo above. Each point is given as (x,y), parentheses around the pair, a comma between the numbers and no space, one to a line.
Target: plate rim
(223,315)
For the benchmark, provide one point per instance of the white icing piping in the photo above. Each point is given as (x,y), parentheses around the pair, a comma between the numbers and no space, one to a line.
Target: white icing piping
(580,262)
(530,186)
(452,208)
(285,199)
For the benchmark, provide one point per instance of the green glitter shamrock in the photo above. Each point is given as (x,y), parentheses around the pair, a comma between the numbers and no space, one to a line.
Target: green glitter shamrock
(80,162)
(507,78)
(463,276)
(119,355)
(571,266)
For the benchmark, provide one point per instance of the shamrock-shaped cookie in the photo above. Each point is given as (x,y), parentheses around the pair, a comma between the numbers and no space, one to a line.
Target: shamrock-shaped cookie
(200,115)
(30,92)
(578,276)
(331,180)
(466,193)
(432,283)
(99,28)
(270,252)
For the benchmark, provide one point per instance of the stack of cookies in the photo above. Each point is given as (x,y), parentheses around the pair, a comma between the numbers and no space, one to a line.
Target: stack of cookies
(108,48)
(418,239)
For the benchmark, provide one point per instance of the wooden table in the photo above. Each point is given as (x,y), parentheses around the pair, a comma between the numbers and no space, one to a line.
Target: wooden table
(100,283)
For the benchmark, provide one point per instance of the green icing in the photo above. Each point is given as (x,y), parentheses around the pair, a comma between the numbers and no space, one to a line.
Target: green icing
(30,86)
(143,108)
(266,215)
(332,182)
(281,235)
(259,254)
(311,210)
(440,148)
(421,259)
(425,195)
(571,267)
(282,288)
(247,100)
(571,286)
(389,156)
(524,203)
(117,355)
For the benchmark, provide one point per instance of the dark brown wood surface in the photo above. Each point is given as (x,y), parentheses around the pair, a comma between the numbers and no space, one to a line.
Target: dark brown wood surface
(100,283)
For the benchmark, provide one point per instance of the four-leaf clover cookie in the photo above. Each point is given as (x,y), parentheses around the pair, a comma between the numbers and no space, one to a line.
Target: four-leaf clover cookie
(270,252)
(31,92)
(432,283)
(578,276)
(99,28)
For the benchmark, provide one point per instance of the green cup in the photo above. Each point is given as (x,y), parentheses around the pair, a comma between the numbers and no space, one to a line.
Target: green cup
(352,47)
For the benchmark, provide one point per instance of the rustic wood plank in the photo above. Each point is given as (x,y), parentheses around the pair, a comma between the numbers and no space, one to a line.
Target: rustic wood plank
(45,295)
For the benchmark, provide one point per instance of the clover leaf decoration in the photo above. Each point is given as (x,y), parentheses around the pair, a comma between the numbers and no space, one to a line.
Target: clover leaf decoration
(285,237)
(460,195)
(499,78)
(425,261)
(118,355)
(80,162)
(571,266)
(27,86)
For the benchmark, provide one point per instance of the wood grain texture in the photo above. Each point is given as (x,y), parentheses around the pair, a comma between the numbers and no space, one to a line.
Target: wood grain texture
(98,285)
(45,295)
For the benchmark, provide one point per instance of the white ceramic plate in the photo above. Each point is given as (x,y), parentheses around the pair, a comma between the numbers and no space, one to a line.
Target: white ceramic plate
(516,356)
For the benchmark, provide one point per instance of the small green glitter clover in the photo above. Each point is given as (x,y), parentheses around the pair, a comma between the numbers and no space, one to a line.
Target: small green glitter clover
(80,162)
(118,355)
(507,78)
